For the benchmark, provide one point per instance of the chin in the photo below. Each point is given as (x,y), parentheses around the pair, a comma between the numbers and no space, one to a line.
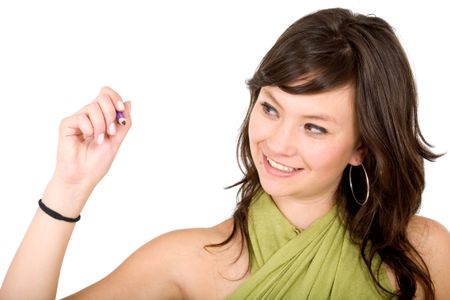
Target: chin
(275,189)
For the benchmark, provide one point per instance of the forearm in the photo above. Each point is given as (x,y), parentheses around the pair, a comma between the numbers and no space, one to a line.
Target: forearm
(35,269)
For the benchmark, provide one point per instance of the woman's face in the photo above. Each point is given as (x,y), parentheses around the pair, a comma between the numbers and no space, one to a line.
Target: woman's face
(301,144)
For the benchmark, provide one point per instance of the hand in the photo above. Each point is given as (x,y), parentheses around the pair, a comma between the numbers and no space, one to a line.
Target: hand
(89,140)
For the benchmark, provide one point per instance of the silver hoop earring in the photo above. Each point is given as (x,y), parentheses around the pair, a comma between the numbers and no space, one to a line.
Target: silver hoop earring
(367,183)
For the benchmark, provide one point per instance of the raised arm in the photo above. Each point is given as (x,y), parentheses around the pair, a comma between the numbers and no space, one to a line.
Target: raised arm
(88,143)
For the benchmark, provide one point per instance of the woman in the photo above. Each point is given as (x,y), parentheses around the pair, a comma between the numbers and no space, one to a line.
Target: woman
(333,174)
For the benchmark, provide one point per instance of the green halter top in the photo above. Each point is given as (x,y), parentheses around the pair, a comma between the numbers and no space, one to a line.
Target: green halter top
(320,262)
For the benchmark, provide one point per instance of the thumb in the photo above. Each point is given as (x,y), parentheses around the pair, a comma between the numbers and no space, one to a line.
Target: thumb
(122,130)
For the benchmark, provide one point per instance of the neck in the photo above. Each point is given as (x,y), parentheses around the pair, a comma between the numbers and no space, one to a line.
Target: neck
(302,213)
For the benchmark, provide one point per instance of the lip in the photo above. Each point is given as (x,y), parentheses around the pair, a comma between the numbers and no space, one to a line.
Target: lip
(278,173)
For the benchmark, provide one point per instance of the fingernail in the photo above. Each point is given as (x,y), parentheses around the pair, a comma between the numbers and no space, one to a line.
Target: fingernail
(100,139)
(112,129)
(120,106)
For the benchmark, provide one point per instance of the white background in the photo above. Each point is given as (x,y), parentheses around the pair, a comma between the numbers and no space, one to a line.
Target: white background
(184,65)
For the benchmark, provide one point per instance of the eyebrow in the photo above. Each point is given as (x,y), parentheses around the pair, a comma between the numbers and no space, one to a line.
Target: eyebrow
(322,117)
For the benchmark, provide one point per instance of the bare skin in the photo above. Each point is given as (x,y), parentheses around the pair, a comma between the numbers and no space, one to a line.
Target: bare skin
(195,273)
(199,274)
(175,265)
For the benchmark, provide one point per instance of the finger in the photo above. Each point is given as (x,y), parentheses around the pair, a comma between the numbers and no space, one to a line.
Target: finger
(109,112)
(123,130)
(95,115)
(85,126)
(124,115)
(127,113)
(77,124)
(115,98)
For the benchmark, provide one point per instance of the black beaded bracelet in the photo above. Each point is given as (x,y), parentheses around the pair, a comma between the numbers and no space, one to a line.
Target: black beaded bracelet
(56,215)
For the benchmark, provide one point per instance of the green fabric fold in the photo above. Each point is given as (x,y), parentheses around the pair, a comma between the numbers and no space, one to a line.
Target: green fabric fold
(320,262)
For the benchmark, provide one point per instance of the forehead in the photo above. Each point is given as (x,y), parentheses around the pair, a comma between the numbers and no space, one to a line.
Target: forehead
(333,105)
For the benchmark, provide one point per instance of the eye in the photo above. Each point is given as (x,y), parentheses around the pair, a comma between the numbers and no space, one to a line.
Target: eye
(269,109)
(314,129)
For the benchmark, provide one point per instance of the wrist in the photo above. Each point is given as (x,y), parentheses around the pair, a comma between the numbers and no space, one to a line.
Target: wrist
(64,198)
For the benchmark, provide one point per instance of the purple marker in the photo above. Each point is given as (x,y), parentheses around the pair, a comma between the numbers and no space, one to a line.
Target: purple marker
(121,118)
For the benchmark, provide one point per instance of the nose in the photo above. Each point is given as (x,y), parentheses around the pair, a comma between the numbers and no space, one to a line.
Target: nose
(283,140)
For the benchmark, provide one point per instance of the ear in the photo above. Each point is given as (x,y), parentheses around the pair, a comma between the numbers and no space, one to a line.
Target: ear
(358,155)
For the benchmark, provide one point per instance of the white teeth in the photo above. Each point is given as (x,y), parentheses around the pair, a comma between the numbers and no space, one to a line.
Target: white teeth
(280,167)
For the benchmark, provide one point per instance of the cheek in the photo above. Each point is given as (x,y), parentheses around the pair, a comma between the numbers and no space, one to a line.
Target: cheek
(327,156)
(256,131)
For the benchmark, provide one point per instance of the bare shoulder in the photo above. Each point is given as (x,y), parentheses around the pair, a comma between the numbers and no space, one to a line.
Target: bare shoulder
(191,238)
(183,243)
(174,265)
(202,271)
(432,240)
(428,235)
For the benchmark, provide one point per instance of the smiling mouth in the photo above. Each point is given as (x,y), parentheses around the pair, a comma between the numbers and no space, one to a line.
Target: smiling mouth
(279,166)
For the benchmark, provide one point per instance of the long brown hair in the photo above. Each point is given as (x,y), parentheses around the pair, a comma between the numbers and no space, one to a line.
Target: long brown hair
(330,48)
